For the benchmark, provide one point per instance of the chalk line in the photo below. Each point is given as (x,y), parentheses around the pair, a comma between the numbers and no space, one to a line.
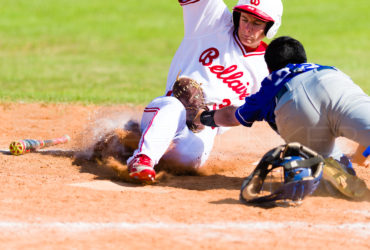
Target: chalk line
(363,228)
(108,185)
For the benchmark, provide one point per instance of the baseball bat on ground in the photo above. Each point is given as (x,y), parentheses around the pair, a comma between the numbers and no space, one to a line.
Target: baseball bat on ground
(28,145)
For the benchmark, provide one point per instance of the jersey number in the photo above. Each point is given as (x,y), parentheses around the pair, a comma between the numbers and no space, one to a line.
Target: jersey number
(225,103)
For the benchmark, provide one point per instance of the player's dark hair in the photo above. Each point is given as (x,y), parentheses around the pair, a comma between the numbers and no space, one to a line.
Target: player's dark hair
(282,51)
(236,19)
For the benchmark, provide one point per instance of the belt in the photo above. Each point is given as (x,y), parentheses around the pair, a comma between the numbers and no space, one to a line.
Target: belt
(281,92)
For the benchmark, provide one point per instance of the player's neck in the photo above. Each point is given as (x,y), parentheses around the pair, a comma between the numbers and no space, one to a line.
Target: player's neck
(261,47)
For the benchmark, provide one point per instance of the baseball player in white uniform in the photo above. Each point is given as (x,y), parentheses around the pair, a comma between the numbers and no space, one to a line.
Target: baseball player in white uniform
(225,53)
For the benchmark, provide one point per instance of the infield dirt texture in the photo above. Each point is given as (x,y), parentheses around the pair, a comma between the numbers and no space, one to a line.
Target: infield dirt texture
(119,52)
(50,201)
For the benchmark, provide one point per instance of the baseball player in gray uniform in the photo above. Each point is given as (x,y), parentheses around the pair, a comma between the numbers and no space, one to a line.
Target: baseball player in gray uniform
(307,103)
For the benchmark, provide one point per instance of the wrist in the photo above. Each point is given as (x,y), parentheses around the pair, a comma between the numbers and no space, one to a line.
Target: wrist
(207,118)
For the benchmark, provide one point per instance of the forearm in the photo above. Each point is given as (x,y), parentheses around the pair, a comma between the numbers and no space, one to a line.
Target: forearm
(226,117)
(223,117)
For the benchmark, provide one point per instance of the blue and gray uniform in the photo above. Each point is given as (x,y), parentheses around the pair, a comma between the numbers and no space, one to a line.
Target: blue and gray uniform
(311,104)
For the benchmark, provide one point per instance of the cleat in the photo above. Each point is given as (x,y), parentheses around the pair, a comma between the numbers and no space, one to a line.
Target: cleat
(141,168)
(342,180)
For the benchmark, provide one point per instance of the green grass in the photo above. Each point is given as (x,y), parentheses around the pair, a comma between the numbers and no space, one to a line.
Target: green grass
(333,33)
(106,52)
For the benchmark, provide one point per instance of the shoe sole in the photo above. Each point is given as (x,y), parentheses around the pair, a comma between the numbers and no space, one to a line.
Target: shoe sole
(347,184)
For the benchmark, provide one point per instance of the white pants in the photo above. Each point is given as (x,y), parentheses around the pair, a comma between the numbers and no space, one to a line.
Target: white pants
(165,135)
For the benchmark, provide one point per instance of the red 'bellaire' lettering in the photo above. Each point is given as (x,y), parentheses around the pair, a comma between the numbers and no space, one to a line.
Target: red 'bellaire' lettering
(231,80)
(206,58)
(229,75)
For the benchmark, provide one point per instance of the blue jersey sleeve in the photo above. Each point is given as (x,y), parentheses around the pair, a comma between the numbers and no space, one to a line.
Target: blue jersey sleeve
(250,111)
(261,105)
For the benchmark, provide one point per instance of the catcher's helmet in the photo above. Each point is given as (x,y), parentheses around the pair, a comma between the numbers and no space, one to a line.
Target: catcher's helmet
(302,172)
(294,174)
(269,11)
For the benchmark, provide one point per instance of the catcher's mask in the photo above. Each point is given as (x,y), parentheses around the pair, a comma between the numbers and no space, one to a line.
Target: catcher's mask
(269,11)
(300,170)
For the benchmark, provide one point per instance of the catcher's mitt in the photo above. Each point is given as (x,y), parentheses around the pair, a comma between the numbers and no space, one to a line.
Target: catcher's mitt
(297,169)
(190,94)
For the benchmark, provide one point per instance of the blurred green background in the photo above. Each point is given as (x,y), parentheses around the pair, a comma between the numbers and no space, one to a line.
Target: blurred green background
(111,51)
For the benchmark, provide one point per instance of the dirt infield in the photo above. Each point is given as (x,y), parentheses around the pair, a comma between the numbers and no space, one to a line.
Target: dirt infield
(49,200)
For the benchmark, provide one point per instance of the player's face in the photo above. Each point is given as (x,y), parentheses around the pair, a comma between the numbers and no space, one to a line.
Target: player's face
(251,30)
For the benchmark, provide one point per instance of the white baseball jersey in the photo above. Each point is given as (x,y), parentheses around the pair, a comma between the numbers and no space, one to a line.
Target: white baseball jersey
(212,54)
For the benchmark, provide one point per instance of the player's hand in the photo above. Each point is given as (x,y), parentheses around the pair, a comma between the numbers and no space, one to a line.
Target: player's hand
(367,162)
(359,159)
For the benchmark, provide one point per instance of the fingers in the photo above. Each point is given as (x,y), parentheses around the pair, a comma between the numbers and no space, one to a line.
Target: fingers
(196,120)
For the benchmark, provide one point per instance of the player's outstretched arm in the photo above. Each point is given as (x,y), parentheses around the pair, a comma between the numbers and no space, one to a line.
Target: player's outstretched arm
(224,117)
